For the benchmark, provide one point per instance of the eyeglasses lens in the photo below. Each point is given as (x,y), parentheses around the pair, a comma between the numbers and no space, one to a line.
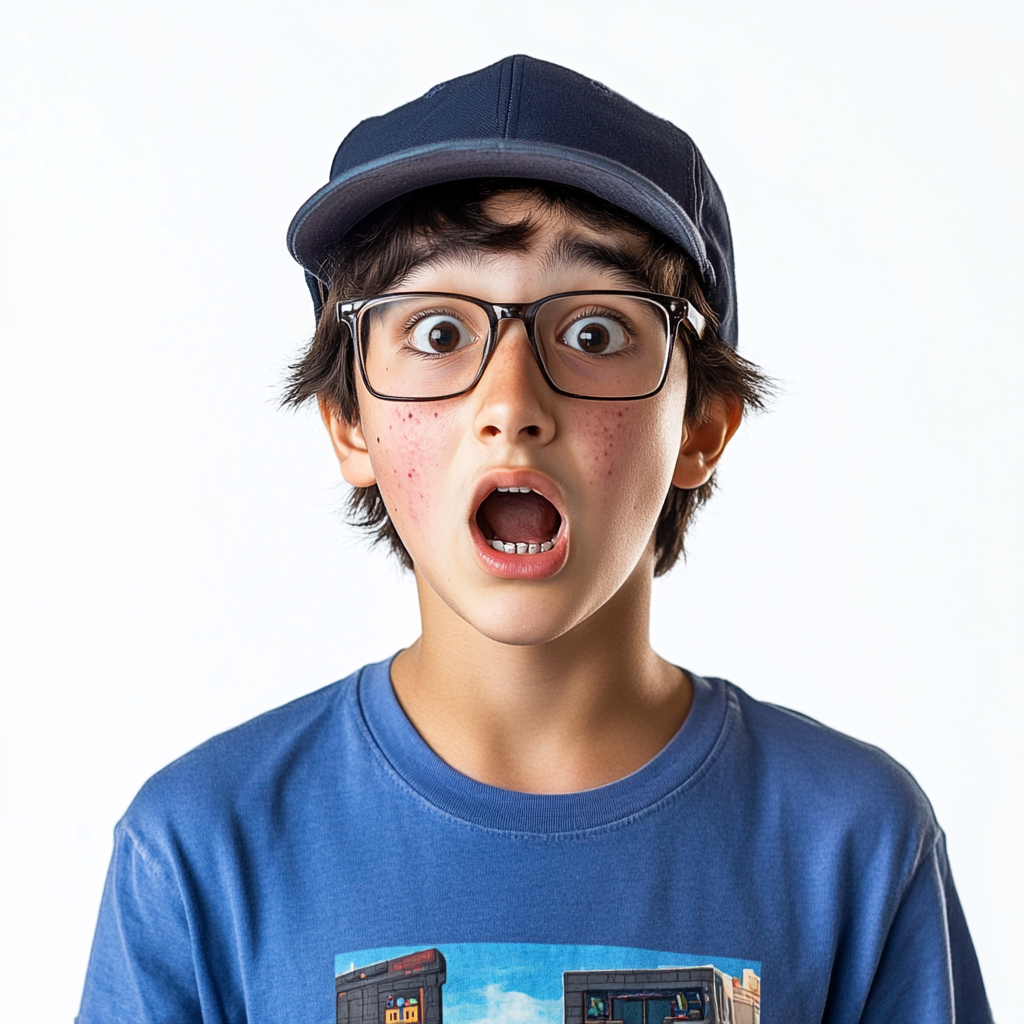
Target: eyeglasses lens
(603,346)
(422,346)
(597,346)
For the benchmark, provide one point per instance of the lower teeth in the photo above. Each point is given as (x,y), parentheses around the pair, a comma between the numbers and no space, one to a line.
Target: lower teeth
(508,548)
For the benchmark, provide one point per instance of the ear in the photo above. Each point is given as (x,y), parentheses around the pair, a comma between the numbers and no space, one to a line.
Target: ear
(704,441)
(349,446)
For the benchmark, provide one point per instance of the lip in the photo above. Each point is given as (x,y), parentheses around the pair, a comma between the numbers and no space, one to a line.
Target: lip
(520,567)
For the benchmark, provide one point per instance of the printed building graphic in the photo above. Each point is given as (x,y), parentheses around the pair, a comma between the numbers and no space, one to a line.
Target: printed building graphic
(407,990)
(402,991)
(662,996)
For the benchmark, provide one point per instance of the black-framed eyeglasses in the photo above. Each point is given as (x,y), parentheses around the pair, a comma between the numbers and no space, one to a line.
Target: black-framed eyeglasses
(601,345)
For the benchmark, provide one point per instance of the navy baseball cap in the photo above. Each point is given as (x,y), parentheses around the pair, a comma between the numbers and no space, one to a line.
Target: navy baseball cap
(527,118)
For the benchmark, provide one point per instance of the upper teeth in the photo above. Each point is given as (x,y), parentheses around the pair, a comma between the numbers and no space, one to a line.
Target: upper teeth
(519,548)
(515,490)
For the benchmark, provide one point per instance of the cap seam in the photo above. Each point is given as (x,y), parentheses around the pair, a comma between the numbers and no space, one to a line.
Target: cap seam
(698,193)
(497,98)
(508,98)
(514,95)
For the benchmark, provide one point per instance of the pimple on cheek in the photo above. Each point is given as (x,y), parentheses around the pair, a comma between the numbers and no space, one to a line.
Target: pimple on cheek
(605,436)
(409,452)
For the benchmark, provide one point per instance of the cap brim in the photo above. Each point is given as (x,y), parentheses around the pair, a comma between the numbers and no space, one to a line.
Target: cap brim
(336,208)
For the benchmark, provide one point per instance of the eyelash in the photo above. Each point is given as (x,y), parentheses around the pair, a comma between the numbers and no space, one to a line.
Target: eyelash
(424,313)
(608,314)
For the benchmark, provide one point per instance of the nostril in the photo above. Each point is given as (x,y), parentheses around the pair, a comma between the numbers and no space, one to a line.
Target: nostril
(533,430)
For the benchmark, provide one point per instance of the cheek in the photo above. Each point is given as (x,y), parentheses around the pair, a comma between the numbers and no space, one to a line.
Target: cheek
(408,445)
(614,441)
(605,434)
(628,452)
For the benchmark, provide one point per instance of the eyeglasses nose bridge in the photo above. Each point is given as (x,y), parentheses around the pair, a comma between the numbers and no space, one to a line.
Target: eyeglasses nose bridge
(505,311)
(512,311)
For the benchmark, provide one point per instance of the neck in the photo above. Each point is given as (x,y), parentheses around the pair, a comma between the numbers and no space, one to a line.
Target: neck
(579,711)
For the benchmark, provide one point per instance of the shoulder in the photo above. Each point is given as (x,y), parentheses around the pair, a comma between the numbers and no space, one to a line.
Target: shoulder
(241,773)
(828,785)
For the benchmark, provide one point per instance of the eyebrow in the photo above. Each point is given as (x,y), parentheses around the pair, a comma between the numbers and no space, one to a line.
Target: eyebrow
(575,250)
(567,252)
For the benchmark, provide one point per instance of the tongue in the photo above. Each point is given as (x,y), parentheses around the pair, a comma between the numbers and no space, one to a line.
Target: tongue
(519,518)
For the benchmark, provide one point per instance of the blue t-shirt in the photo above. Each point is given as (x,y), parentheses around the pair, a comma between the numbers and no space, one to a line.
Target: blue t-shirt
(321,864)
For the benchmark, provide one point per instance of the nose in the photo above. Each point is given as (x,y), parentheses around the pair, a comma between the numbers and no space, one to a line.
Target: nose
(514,402)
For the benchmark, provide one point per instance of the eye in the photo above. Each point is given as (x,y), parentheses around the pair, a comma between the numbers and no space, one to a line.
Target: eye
(440,332)
(596,335)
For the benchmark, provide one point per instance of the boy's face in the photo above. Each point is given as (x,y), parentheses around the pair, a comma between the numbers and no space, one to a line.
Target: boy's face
(605,467)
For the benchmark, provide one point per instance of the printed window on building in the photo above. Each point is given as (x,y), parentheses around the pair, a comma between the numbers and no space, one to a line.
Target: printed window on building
(402,1010)
(646,1007)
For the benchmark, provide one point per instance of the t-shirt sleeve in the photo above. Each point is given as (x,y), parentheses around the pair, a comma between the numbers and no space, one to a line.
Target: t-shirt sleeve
(141,968)
(929,972)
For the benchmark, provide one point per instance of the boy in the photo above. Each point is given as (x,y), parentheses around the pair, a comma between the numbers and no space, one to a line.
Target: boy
(525,360)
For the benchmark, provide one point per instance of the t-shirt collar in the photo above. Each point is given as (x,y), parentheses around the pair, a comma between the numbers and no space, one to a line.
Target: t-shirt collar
(676,767)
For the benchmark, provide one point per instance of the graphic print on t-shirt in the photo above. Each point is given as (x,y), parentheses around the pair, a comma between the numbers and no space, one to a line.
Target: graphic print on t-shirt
(535,983)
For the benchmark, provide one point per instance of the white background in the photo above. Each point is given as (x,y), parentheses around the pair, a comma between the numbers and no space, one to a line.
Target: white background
(173,561)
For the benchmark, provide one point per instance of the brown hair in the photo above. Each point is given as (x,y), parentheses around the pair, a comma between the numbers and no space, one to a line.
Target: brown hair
(445,219)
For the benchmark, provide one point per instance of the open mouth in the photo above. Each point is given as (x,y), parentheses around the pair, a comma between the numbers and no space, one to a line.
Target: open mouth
(518,521)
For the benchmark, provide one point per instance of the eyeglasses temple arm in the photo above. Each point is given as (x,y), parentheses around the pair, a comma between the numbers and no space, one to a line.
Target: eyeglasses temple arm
(695,319)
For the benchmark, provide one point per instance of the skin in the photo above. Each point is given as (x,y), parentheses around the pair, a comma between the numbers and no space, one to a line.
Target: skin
(549,685)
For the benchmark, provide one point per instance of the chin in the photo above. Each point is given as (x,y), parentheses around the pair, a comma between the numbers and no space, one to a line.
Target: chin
(528,618)
(528,632)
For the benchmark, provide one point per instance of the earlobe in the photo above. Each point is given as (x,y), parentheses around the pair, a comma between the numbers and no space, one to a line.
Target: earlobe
(704,442)
(349,446)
